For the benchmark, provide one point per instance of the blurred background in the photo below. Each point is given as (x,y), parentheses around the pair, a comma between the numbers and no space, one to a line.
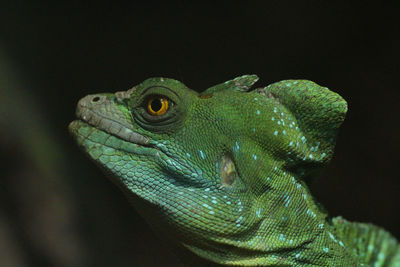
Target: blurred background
(58,209)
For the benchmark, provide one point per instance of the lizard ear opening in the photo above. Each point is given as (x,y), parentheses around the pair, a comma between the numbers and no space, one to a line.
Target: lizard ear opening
(319,113)
(228,171)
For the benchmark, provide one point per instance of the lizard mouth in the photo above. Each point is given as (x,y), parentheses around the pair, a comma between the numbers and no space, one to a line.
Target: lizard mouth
(94,111)
(94,141)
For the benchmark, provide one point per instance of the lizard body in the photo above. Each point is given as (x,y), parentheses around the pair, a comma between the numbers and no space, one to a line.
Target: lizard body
(224,173)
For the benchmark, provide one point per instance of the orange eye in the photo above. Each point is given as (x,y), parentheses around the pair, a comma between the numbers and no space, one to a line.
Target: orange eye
(157,105)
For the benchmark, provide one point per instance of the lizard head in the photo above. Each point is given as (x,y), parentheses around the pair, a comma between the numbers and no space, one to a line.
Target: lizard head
(225,170)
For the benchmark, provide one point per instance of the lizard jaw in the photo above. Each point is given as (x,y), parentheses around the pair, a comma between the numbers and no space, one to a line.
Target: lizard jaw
(98,111)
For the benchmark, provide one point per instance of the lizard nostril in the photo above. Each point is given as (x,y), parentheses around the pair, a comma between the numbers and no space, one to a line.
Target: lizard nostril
(95,99)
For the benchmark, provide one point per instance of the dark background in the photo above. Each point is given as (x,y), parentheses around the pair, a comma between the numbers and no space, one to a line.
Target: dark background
(58,209)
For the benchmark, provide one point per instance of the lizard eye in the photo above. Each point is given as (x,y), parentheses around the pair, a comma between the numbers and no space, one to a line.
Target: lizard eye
(157,105)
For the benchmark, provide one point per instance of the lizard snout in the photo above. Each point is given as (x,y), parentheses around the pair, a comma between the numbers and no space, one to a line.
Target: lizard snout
(90,101)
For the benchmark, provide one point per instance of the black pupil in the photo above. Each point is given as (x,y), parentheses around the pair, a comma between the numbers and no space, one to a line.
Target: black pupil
(156,104)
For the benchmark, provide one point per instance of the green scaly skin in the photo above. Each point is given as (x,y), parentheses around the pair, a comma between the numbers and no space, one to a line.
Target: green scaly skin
(223,174)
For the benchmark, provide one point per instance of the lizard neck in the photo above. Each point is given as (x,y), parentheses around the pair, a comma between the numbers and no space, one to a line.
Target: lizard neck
(278,229)
(257,249)
(369,244)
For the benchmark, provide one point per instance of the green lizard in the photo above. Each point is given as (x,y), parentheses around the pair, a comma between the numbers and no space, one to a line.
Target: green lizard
(224,173)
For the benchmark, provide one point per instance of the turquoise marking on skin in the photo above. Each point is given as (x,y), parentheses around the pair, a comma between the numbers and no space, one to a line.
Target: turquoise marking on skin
(282,237)
(202,155)
(239,219)
(332,237)
(236,146)
(258,212)
(287,201)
